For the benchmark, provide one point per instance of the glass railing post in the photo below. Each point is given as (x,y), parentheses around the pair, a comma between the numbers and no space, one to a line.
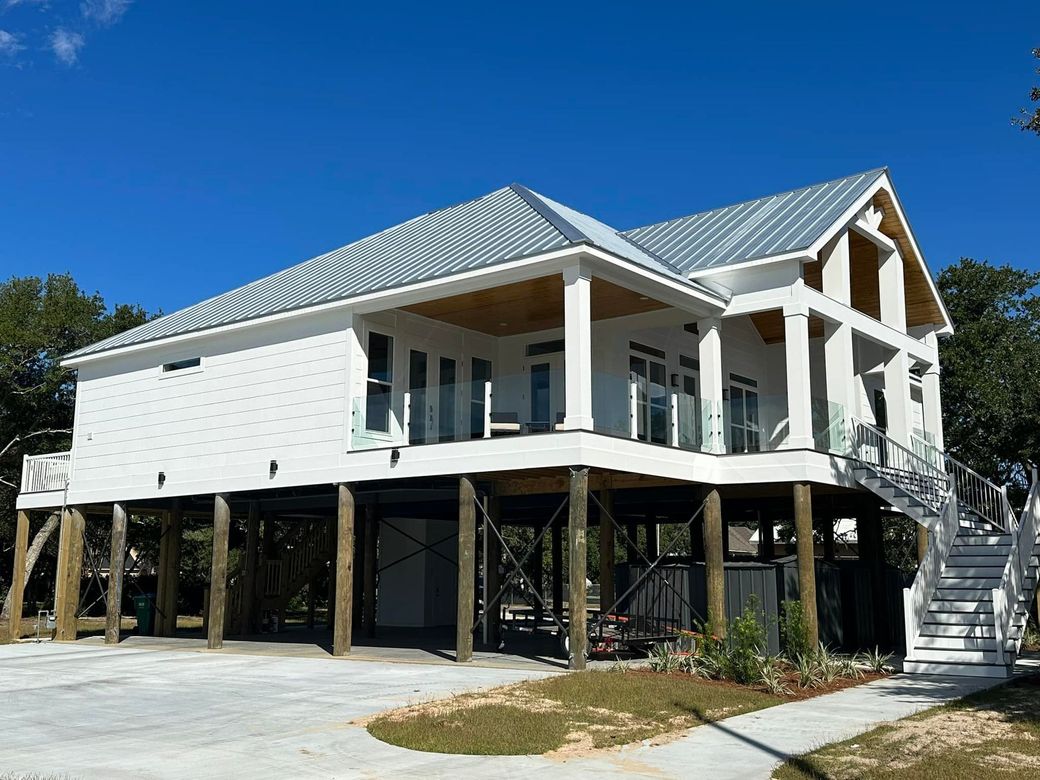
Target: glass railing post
(633,410)
(487,410)
(406,421)
(674,402)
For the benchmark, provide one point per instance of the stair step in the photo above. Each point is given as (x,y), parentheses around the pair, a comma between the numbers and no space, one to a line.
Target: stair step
(989,561)
(954,668)
(954,570)
(979,643)
(978,630)
(940,605)
(949,655)
(981,583)
(963,594)
(991,542)
(958,618)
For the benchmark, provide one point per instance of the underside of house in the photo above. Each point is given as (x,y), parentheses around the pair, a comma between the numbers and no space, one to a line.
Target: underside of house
(509,421)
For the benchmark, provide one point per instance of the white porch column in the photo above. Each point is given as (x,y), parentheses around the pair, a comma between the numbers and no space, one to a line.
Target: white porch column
(355,372)
(577,333)
(837,345)
(897,397)
(799,392)
(892,293)
(709,355)
(931,397)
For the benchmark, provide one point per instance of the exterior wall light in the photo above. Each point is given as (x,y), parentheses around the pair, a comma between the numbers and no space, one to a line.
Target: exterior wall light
(274,468)
(395,455)
(162,478)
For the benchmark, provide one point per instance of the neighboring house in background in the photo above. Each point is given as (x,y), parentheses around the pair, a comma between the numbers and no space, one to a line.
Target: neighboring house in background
(785,345)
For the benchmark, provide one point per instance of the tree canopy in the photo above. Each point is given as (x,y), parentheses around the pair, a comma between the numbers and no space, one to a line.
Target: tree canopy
(991,369)
(1030,119)
(40,321)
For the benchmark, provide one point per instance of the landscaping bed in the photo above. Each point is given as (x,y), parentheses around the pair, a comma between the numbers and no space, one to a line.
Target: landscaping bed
(995,733)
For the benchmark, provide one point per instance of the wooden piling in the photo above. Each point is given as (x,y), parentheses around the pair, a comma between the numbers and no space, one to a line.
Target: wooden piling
(344,619)
(218,571)
(169,571)
(922,543)
(806,560)
(766,537)
(556,561)
(70,570)
(492,576)
(577,593)
(21,546)
(714,564)
(466,570)
(117,565)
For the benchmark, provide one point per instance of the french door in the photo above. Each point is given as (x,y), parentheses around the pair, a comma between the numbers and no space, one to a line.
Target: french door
(545,392)
(651,378)
(745,432)
(432,384)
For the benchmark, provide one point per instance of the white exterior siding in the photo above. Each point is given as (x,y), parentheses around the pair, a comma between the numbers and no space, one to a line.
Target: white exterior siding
(276,392)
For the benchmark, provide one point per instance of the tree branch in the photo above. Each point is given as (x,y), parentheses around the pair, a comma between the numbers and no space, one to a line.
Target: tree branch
(44,432)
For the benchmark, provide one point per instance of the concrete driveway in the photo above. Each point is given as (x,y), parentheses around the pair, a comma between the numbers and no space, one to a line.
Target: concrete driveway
(79,710)
(84,710)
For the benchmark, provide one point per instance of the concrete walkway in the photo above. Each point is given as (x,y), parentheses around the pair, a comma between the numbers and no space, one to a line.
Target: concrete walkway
(80,710)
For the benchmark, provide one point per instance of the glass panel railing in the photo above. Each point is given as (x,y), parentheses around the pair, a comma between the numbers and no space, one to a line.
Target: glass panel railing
(612,405)
(754,423)
(378,419)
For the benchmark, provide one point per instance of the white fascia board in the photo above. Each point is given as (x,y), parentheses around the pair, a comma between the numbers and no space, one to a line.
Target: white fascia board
(706,273)
(660,287)
(848,220)
(761,300)
(864,325)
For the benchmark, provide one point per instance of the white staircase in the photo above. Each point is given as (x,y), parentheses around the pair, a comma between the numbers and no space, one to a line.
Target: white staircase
(966,610)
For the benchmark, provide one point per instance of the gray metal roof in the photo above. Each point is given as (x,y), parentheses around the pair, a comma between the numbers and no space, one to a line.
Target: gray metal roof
(507,224)
(787,222)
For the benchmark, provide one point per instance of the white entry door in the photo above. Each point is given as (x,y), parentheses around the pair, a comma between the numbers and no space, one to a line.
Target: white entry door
(433,385)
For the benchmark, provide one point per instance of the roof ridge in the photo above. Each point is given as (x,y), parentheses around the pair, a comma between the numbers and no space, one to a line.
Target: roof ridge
(549,214)
(876,171)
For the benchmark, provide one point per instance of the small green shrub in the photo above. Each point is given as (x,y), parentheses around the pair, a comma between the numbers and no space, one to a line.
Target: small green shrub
(771,673)
(794,639)
(747,642)
(875,661)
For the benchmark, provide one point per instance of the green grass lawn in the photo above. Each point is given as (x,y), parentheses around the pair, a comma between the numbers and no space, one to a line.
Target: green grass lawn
(584,710)
(995,734)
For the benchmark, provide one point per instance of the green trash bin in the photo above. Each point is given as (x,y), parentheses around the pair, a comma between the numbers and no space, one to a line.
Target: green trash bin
(144,606)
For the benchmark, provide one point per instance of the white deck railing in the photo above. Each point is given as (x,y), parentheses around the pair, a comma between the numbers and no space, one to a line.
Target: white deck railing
(45,472)
(918,596)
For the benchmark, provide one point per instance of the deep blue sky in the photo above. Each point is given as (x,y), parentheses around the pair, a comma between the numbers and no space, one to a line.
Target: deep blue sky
(184,148)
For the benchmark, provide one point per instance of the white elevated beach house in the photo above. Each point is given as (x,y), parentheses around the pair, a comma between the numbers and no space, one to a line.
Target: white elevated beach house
(510,360)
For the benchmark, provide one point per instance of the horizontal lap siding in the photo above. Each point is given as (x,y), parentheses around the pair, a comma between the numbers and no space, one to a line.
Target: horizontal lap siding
(279,395)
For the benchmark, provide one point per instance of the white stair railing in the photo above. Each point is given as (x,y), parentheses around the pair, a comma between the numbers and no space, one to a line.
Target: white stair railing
(905,468)
(1012,589)
(974,491)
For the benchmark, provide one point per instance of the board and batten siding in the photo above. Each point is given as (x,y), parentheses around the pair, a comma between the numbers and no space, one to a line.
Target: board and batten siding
(274,392)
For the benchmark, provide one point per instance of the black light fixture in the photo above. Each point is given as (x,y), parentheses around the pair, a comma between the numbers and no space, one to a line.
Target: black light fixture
(162,478)
(675,380)
(274,468)
(395,455)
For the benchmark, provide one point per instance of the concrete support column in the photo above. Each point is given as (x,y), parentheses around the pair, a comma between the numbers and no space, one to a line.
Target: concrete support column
(218,571)
(576,599)
(606,551)
(714,564)
(709,354)
(799,390)
(931,397)
(21,546)
(344,620)
(467,569)
(897,397)
(70,570)
(252,563)
(577,333)
(806,560)
(116,568)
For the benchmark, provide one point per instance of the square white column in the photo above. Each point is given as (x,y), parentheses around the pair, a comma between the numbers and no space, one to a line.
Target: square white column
(709,355)
(840,370)
(799,392)
(836,270)
(897,397)
(891,289)
(577,334)
(931,397)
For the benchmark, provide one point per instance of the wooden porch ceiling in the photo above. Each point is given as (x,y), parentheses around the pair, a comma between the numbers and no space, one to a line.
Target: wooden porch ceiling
(528,306)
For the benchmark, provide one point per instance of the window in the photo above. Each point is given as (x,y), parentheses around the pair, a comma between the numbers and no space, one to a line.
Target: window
(657,353)
(651,398)
(380,382)
(545,348)
(446,400)
(480,374)
(744,429)
(180,365)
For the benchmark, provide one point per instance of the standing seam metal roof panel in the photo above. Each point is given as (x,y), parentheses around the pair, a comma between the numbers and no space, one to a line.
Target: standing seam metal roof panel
(786,222)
